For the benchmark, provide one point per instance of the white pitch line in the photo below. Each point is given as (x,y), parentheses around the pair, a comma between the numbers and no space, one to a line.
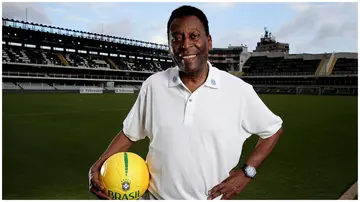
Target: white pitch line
(62,113)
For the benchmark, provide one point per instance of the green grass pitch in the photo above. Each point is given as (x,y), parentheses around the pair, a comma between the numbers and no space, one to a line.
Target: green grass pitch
(51,140)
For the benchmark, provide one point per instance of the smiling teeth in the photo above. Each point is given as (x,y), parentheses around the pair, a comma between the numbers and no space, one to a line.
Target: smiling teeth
(189,56)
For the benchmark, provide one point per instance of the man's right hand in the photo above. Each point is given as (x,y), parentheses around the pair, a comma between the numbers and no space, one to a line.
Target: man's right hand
(95,186)
(120,143)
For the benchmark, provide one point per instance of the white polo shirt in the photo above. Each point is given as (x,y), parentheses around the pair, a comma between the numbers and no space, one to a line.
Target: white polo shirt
(196,138)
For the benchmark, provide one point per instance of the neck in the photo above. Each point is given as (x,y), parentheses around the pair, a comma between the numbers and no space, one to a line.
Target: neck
(194,80)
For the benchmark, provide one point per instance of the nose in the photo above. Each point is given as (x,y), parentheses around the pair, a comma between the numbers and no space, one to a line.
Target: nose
(187,43)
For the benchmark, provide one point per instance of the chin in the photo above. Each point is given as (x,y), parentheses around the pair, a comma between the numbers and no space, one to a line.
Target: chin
(187,68)
(190,69)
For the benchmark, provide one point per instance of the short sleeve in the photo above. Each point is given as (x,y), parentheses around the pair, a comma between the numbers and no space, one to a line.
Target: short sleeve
(257,118)
(134,123)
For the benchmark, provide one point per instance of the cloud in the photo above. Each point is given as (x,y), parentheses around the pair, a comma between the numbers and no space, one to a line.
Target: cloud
(122,28)
(55,10)
(35,13)
(246,36)
(96,6)
(156,28)
(157,32)
(74,17)
(315,28)
(100,11)
(321,27)
(66,4)
(159,39)
(129,29)
(217,6)
(299,7)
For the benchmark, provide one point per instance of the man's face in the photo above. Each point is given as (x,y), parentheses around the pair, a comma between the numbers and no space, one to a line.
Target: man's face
(189,45)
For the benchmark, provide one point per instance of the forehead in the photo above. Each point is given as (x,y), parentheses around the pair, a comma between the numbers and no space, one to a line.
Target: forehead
(186,22)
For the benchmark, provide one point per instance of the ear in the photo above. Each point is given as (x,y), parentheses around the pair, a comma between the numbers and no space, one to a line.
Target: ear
(209,42)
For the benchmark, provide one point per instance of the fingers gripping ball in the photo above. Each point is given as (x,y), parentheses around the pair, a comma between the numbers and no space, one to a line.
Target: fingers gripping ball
(125,176)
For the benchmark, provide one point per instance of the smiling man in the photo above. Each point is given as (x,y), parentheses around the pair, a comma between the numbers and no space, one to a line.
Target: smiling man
(197,119)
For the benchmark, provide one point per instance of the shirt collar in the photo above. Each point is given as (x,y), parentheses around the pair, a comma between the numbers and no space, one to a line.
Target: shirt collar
(212,81)
(174,78)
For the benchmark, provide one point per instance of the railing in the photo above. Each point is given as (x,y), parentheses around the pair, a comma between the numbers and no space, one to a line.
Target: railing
(86,76)
(344,72)
(279,74)
(43,64)
(32,74)
(77,76)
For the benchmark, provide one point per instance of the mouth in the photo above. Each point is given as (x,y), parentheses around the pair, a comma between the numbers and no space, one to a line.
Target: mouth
(188,58)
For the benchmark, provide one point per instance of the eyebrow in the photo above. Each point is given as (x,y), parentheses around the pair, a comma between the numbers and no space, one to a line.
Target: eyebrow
(178,32)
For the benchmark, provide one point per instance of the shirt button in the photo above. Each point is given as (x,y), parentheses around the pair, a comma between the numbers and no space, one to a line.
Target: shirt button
(190,100)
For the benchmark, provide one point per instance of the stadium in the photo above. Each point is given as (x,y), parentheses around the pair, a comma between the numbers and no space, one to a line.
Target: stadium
(66,93)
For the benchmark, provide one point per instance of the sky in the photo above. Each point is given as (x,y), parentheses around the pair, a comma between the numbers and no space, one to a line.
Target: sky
(308,27)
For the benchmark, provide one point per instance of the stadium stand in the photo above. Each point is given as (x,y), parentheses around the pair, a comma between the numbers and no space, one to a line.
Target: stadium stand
(46,58)
(345,64)
(35,86)
(10,86)
(274,64)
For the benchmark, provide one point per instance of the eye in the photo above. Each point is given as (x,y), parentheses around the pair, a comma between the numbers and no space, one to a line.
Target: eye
(195,36)
(176,38)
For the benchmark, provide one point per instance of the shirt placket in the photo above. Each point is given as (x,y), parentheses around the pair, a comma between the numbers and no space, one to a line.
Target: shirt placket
(189,108)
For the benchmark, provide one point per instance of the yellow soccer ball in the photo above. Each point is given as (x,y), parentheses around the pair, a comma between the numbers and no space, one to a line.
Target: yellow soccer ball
(125,176)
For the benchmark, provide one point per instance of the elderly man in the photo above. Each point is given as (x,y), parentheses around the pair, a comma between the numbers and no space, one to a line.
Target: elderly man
(197,119)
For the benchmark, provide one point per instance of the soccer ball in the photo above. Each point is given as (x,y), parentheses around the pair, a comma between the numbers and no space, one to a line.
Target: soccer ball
(125,176)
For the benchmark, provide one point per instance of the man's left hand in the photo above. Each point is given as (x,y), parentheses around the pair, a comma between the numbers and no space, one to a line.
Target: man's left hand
(231,186)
